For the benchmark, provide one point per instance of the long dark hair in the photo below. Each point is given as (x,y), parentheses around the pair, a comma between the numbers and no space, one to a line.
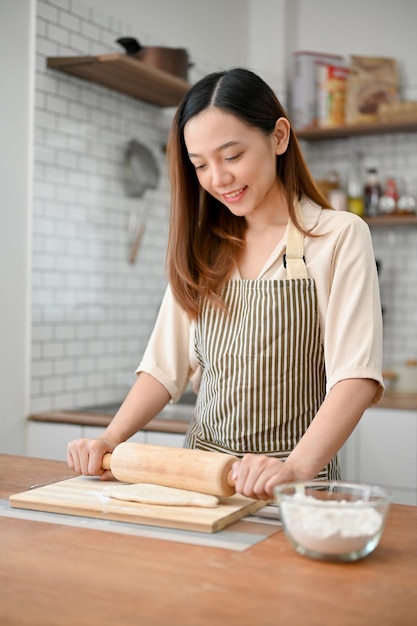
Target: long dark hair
(204,237)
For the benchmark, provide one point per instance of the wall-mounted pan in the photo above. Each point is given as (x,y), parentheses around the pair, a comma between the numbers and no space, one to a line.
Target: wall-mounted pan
(141,169)
(141,173)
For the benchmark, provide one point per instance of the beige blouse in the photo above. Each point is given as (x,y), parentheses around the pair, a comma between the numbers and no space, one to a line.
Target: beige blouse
(341,261)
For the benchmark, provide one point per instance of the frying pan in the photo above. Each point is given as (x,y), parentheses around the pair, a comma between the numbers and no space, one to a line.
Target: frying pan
(141,175)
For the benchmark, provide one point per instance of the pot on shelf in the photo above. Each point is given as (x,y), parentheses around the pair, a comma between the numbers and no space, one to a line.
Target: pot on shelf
(171,60)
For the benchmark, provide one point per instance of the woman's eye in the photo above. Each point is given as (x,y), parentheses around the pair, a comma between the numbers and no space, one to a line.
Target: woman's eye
(199,167)
(233,158)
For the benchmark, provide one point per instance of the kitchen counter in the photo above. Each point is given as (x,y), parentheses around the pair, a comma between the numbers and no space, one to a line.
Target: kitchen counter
(398,400)
(176,418)
(59,575)
(85,418)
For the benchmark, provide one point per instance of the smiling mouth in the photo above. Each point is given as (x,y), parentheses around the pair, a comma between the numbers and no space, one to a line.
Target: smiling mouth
(234,194)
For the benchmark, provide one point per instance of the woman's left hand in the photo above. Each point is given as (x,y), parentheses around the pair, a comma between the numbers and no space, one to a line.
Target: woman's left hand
(256,475)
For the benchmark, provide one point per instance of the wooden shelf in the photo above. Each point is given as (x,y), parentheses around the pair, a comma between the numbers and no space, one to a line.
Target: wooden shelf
(392,220)
(380,128)
(126,75)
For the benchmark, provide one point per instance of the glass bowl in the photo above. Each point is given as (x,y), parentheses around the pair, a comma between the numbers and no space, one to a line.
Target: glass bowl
(333,520)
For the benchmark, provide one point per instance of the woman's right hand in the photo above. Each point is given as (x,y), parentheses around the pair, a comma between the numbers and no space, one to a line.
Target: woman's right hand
(85,456)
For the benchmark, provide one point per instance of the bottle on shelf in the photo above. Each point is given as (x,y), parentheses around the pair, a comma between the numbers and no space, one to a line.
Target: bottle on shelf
(372,192)
(391,188)
(355,199)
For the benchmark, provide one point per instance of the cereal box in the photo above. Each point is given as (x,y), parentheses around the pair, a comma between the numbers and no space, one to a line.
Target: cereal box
(303,87)
(331,95)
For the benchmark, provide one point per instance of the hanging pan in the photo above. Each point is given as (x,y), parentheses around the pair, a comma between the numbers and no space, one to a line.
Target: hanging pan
(141,175)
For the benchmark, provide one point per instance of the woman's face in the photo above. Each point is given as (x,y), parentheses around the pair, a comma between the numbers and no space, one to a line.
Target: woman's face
(236,162)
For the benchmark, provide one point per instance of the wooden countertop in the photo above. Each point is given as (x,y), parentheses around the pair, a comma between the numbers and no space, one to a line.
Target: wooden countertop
(51,574)
(398,400)
(84,418)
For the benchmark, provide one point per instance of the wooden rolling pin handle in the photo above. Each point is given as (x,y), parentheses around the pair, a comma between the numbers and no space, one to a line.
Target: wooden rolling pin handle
(106,461)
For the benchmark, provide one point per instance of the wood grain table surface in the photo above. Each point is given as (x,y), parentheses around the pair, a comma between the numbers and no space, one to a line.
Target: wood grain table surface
(55,574)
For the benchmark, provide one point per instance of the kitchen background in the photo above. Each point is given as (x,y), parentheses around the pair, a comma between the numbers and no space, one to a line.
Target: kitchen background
(75,313)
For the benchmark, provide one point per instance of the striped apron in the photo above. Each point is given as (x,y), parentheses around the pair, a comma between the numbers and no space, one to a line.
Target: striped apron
(263,376)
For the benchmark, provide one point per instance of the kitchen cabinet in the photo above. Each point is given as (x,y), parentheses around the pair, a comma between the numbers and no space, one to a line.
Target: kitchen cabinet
(47,440)
(126,75)
(382,450)
(162,439)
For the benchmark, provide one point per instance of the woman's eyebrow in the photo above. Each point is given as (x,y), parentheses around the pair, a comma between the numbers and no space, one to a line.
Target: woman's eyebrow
(228,144)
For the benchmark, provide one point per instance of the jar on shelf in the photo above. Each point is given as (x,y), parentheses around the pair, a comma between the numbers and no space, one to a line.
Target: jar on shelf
(407,202)
(331,187)
(389,198)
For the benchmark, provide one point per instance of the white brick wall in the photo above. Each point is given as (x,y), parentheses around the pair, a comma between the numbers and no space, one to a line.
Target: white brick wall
(92,311)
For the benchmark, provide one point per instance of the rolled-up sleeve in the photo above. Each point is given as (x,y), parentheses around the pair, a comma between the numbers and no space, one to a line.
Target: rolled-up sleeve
(353,319)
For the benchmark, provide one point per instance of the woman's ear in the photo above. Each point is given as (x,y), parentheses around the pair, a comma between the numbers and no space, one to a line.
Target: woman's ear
(282,135)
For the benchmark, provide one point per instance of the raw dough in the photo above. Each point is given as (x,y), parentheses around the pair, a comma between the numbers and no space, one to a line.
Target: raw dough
(157,494)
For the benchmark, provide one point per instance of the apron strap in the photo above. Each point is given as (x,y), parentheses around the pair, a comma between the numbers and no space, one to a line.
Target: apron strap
(294,256)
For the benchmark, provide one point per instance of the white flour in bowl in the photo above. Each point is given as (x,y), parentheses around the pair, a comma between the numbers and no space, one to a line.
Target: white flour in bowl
(331,527)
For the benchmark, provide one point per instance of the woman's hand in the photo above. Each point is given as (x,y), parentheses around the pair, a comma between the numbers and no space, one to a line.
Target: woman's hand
(256,475)
(85,456)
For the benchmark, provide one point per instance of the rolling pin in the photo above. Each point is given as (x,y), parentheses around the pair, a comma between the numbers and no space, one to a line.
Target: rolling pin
(183,468)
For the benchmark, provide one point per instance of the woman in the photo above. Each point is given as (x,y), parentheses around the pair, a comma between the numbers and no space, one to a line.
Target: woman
(272,309)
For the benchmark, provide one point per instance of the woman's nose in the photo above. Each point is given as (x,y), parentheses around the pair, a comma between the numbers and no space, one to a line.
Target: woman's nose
(220,175)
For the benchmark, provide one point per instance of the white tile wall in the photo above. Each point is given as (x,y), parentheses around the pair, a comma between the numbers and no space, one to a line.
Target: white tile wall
(92,311)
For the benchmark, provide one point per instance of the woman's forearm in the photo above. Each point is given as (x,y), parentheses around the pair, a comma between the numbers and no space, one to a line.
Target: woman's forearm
(144,401)
(334,422)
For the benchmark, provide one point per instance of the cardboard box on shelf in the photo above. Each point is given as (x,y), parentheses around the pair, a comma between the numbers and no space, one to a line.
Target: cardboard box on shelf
(405,111)
(303,88)
(371,81)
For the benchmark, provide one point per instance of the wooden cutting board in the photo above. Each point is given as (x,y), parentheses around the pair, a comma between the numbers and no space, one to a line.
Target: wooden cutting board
(83,496)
